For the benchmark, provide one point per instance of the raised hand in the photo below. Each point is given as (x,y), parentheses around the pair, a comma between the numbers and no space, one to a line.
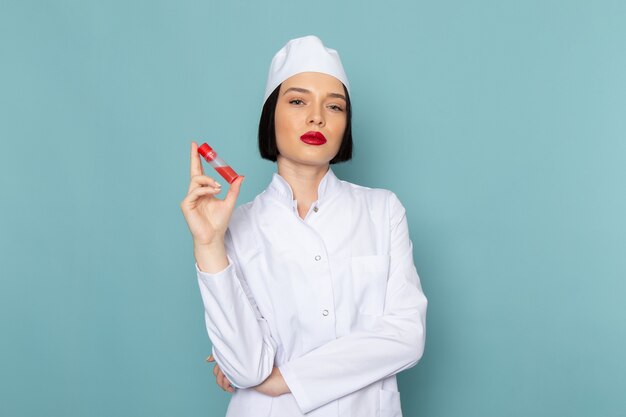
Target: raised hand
(207,216)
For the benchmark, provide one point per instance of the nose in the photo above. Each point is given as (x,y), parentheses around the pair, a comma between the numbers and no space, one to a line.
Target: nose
(316,116)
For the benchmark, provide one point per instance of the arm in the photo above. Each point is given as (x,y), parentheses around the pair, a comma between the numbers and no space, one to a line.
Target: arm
(392,343)
(242,344)
(241,341)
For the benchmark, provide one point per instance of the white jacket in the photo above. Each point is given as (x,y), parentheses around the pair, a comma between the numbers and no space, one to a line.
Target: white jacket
(333,300)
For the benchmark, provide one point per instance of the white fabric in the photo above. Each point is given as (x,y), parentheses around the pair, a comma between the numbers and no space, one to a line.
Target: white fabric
(306,54)
(333,300)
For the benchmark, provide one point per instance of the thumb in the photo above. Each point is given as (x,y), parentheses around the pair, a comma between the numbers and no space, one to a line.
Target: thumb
(233,191)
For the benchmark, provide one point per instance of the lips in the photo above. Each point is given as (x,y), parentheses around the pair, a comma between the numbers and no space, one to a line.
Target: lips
(313,138)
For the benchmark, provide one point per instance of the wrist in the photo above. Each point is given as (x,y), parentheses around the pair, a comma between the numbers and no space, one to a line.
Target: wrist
(284,388)
(209,246)
(211,258)
(280,386)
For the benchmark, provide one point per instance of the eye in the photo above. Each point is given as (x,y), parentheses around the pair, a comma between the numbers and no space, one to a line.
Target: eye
(335,107)
(295,100)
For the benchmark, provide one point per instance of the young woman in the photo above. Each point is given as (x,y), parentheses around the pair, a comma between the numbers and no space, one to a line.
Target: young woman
(312,300)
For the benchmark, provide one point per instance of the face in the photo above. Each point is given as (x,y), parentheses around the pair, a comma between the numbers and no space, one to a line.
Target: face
(310,102)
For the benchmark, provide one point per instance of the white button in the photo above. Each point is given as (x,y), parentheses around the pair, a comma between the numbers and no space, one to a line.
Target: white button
(317,257)
(325,312)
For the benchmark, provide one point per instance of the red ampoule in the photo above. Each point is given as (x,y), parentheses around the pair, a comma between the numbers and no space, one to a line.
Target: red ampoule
(218,163)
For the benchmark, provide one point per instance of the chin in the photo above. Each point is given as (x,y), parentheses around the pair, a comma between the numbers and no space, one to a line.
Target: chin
(317,161)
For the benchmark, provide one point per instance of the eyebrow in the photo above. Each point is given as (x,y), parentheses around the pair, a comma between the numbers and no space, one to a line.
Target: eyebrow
(305,91)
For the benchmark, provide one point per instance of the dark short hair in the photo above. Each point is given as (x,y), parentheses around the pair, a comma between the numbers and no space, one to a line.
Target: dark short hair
(267,131)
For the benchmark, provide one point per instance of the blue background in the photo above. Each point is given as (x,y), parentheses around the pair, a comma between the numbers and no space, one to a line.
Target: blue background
(499,124)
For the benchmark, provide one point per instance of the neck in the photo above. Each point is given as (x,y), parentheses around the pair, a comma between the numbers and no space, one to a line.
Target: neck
(303,179)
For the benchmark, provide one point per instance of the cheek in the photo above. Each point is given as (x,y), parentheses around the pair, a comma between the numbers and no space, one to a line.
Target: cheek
(339,127)
(283,132)
(282,135)
(282,124)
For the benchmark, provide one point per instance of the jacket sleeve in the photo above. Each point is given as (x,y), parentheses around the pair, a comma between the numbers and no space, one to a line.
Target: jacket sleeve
(242,344)
(391,343)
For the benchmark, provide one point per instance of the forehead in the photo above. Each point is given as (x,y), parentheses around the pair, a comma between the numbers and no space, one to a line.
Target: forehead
(313,81)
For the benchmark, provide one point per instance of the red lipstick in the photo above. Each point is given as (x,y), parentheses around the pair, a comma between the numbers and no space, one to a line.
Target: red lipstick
(313,138)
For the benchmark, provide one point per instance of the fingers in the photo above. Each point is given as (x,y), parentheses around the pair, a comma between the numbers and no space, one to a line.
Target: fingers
(197,193)
(233,192)
(196,163)
(221,379)
(203,181)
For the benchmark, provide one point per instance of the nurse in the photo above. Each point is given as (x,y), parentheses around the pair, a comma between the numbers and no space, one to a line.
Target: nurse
(312,301)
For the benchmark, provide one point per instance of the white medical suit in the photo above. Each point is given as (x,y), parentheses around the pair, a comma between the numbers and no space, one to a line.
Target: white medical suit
(334,301)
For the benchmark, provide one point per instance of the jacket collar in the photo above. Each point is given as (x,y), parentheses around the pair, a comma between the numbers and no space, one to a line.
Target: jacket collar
(280,189)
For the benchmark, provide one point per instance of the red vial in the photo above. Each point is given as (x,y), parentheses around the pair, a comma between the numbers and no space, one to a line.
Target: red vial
(218,163)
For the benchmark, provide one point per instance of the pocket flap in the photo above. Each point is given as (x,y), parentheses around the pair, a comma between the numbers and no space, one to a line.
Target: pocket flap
(390,404)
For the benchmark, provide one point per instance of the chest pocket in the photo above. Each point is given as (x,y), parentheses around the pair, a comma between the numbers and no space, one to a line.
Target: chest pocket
(369,283)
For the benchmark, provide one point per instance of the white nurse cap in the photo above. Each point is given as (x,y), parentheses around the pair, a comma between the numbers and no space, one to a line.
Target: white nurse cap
(303,55)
